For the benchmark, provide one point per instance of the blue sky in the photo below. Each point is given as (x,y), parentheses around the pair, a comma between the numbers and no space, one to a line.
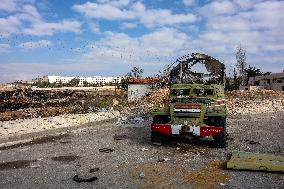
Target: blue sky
(108,37)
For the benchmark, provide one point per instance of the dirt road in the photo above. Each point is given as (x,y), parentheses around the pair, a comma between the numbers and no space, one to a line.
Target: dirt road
(52,162)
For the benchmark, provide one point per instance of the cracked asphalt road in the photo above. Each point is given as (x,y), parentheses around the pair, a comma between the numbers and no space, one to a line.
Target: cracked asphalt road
(53,163)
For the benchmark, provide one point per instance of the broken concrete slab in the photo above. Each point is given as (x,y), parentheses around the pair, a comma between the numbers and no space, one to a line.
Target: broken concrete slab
(256,162)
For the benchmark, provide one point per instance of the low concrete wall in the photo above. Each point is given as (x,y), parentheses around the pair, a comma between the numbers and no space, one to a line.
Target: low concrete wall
(136,91)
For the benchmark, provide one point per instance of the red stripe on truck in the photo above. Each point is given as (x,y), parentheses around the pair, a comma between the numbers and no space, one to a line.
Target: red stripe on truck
(162,128)
(210,131)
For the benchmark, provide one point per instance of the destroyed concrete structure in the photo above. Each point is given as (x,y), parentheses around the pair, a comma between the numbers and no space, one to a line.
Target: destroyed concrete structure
(137,88)
(273,81)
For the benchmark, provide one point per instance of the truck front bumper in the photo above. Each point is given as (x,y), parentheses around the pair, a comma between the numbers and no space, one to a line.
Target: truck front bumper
(199,131)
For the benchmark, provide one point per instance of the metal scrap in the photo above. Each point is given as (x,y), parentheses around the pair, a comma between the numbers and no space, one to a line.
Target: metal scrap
(182,72)
(76,178)
(256,162)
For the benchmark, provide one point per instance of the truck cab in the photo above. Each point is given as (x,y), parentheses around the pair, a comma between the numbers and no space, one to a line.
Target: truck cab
(194,111)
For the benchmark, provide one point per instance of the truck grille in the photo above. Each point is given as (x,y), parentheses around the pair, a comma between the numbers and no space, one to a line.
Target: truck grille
(187,110)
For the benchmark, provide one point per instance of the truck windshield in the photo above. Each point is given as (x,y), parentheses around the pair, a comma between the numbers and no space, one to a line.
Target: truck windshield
(180,92)
(208,92)
(198,92)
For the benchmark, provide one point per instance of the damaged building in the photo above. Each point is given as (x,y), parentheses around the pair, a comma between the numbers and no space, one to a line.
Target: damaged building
(273,81)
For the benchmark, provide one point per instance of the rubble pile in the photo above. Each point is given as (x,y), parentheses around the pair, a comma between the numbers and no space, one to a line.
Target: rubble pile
(150,102)
(157,97)
(253,102)
(238,102)
(19,103)
(138,111)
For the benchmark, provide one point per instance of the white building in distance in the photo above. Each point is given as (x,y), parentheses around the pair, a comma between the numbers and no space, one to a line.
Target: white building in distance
(91,80)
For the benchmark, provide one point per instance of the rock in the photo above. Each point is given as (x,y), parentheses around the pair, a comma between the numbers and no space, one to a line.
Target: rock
(115,102)
(141,175)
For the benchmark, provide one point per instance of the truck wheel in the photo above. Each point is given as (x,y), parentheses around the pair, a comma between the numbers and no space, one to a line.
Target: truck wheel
(157,137)
(221,139)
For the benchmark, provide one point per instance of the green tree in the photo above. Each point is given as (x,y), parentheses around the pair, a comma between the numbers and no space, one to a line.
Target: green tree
(74,82)
(124,83)
(135,72)
(252,72)
(85,84)
(42,84)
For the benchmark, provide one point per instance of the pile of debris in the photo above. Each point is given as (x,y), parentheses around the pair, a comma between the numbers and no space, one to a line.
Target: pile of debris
(20,103)
(255,101)
(138,111)
(238,102)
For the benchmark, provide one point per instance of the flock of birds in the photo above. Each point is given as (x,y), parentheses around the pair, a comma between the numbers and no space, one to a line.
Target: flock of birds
(125,52)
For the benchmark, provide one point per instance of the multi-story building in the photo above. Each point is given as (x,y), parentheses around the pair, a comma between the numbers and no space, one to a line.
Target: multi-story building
(91,80)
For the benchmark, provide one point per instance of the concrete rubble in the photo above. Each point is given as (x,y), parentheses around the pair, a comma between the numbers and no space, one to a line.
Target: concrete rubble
(254,102)
(21,103)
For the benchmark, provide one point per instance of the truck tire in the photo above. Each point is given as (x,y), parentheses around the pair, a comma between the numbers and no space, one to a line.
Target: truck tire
(155,137)
(158,137)
(221,139)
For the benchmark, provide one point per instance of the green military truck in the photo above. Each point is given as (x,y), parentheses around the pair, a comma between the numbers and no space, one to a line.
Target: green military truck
(193,111)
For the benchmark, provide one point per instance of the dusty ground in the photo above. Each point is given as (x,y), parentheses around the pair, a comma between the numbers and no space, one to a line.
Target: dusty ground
(52,162)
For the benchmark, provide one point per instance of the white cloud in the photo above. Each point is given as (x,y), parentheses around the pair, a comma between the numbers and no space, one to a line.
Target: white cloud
(7,5)
(117,3)
(9,25)
(258,26)
(137,11)
(218,8)
(151,51)
(105,11)
(4,47)
(94,27)
(49,28)
(35,44)
(188,2)
(128,25)
(160,17)
(28,20)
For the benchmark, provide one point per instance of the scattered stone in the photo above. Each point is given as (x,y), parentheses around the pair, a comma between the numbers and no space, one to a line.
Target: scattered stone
(106,150)
(76,178)
(136,120)
(144,149)
(94,170)
(119,137)
(163,160)
(141,175)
